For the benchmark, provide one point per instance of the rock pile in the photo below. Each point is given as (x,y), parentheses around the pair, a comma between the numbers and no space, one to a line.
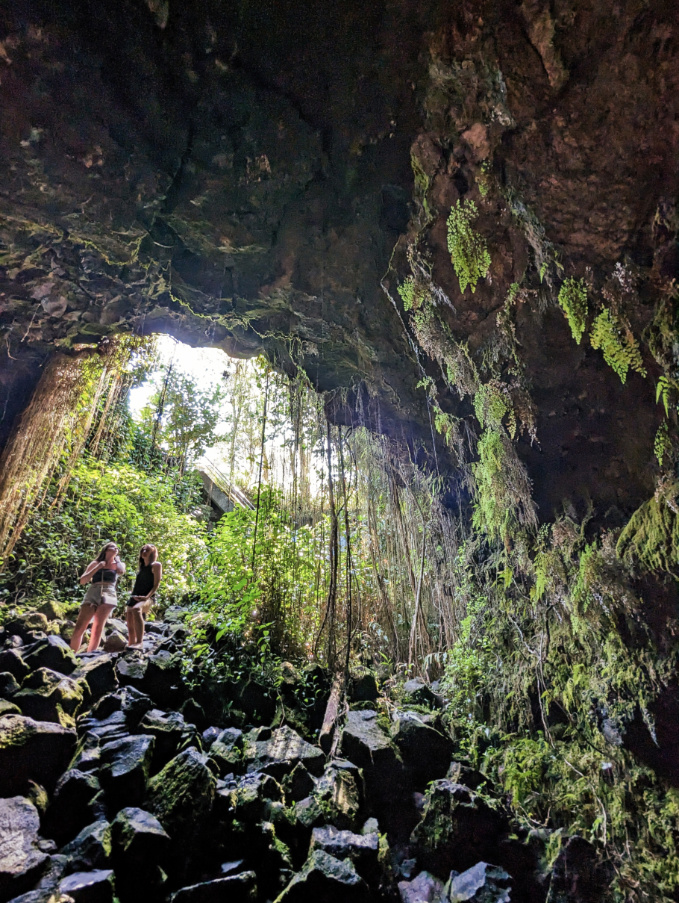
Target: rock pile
(115,784)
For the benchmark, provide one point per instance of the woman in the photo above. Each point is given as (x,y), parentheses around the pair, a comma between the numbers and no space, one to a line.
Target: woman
(100,598)
(144,589)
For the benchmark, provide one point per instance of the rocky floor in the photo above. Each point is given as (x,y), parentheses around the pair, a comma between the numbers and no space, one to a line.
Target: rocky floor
(117,784)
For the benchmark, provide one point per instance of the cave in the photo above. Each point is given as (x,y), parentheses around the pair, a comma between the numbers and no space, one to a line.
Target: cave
(459,221)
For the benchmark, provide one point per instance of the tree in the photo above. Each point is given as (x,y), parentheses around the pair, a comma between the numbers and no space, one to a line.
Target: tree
(182,418)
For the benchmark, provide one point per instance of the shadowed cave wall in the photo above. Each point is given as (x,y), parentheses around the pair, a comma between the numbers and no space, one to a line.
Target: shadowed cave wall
(242,175)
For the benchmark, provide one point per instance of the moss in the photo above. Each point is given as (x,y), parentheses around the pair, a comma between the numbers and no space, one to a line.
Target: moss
(619,347)
(573,301)
(503,491)
(468,248)
(651,538)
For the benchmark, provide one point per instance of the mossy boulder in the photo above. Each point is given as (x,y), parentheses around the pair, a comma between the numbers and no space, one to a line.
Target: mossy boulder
(279,754)
(53,611)
(47,695)
(91,848)
(53,652)
(323,877)
(35,750)
(182,794)
(458,829)
(482,883)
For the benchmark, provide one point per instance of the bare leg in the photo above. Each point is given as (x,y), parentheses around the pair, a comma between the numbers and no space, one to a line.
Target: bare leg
(135,624)
(100,618)
(85,615)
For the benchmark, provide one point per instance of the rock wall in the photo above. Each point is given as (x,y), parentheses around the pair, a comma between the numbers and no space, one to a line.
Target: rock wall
(239,176)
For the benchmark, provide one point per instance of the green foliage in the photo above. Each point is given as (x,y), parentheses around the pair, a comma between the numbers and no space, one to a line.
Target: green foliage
(106,502)
(483,179)
(414,293)
(662,445)
(468,248)
(277,598)
(492,404)
(663,390)
(503,491)
(573,301)
(651,537)
(527,763)
(619,347)
(182,418)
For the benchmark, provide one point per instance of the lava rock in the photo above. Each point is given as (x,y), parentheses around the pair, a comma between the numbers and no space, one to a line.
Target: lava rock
(89,887)
(424,750)
(483,883)
(72,805)
(139,836)
(128,700)
(53,653)
(365,742)
(361,849)
(363,687)
(298,784)
(328,879)
(457,829)
(99,674)
(140,851)
(240,888)
(21,859)
(209,735)
(425,888)
(12,661)
(257,701)
(91,848)
(278,755)
(53,611)
(339,793)
(8,684)
(126,767)
(194,713)
(252,794)
(34,750)
(26,625)
(47,695)
(463,774)
(417,692)
(170,732)
(114,642)
(227,751)
(577,874)
(182,794)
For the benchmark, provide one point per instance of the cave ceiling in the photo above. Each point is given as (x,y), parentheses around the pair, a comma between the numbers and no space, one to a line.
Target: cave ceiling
(242,175)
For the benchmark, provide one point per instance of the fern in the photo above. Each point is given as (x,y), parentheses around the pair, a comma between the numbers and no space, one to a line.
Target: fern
(662,445)
(413,294)
(619,347)
(662,390)
(573,301)
(491,404)
(468,249)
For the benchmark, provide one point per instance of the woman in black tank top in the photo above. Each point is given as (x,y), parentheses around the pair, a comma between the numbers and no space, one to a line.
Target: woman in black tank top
(144,589)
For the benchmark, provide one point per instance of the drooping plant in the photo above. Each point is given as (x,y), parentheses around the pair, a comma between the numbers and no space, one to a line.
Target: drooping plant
(573,302)
(468,248)
(618,345)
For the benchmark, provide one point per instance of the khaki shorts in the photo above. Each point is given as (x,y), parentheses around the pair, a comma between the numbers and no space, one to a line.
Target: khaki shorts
(101,594)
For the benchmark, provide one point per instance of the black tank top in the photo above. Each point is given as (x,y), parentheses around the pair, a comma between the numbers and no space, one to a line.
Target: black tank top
(143,583)
(105,576)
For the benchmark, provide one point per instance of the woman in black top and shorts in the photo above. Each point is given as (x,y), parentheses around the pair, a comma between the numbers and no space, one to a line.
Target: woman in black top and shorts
(100,598)
(144,589)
